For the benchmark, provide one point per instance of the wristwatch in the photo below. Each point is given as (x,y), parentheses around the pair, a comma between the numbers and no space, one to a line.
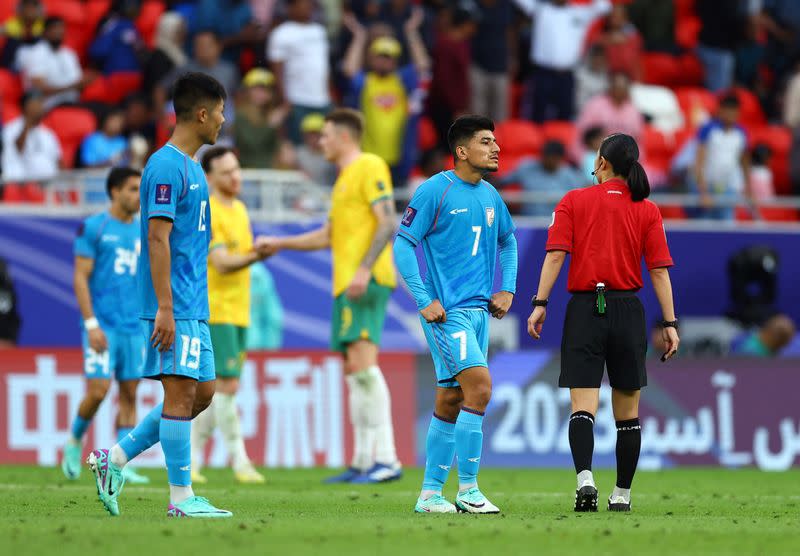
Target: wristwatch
(538,302)
(669,323)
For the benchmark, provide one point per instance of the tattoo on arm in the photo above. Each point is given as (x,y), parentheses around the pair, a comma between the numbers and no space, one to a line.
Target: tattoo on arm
(383,233)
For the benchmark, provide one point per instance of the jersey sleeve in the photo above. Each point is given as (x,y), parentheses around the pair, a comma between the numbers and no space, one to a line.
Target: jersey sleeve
(86,240)
(559,235)
(504,221)
(162,186)
(376,182)
(656,251)
(420,214)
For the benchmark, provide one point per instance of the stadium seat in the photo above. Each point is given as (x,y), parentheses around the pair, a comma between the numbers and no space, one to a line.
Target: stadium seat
(148,18)
(71,125)
(687,31)
(684,8)
(779,214)
(690,70)
(659,146)
(11,91)
(518,137)
(697,104)
(751,112)
(12,193)
(112,89)
(7,9)
(660,69)
(672,212)
(426,134)
(565,132)
(779,139)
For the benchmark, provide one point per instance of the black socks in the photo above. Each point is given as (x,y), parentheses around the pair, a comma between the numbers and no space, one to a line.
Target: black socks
(581,440)
(629,442)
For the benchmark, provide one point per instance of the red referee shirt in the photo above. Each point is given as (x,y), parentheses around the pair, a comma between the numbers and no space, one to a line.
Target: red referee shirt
(607,234)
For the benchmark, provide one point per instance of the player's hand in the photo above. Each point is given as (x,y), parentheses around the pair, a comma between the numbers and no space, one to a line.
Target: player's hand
(265,246)
(97,340)
(163,330)
(351,23)
(536,322)
(413,23)
(434,312)
(670,336)
(358,286)
(500,304)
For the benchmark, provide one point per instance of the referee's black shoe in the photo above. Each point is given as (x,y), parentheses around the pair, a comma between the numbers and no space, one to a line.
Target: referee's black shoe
(586,498)
(618,504)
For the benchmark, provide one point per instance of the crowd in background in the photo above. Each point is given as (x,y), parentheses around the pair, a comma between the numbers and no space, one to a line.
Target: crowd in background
(710,89)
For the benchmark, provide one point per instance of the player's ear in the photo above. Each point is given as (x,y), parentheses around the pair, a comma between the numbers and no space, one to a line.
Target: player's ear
(461,152)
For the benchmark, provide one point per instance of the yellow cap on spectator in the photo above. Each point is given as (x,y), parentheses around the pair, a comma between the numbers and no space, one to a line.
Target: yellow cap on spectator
(258,76)
(312,122)
(386,46)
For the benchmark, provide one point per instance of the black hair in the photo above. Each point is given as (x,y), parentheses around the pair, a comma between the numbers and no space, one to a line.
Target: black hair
(211,155)
(209,31)
(193,89)
(761,154)
(52,20)
(464,128)
(118,176)
(29,95)
(730,101)
(107,113)
(622,152)
(592,133)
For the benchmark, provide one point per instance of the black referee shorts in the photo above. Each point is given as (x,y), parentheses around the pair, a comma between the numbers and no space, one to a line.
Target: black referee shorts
(617,340)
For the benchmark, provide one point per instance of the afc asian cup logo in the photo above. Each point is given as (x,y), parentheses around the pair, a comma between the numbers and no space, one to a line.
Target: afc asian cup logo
(489,216)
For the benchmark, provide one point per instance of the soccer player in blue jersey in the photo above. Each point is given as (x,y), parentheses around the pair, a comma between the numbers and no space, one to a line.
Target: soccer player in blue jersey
(462,224)
(173,298)
(106,258)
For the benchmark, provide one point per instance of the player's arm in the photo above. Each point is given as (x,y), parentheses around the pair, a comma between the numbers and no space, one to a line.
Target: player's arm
(158,231)
(354,57)
(309,241)
(83,271)
(385,216)
(406,261)
(501,301)
(225,262)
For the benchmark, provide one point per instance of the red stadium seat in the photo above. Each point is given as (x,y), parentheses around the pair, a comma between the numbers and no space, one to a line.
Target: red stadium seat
(71,125)
(518,138)
(660,69)
(563,132)
(687,31)
(426,134)
(11,91)
(112,89)
(690,70)
(672,212)
(7,9)
(148,18)
(684,8)
(779,140)
(751,112)
(779,214)
(696,103)
(12,193)
(659,146)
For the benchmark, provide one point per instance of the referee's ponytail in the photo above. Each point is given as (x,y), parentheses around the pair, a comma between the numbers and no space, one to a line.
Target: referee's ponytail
(622,152)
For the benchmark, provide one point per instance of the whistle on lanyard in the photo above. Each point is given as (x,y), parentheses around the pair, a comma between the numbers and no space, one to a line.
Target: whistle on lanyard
(600,303)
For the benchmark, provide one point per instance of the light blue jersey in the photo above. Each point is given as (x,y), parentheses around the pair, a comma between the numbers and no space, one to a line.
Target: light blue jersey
(114,247)
(459,225)
(174,187)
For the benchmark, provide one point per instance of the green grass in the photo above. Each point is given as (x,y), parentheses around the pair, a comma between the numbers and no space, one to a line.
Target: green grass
(703,511)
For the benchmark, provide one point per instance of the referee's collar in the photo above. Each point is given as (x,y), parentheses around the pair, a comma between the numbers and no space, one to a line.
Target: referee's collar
(615,182)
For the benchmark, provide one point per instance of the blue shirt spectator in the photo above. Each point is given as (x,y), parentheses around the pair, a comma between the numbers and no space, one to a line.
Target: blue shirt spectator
(107,146)
(231,20)
(117,45)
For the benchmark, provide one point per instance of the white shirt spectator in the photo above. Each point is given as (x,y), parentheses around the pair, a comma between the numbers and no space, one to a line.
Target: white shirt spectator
(303,50)
(724,150)
(58,68)
(559,31)
(39,157)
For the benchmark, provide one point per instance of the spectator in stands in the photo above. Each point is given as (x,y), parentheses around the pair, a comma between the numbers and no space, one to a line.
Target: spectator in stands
(550,175)
(721,165)
(385,92)
(22,29)
(298,52)
(52,68)
(449,94)
(767,341)
(117,46)
(431,162)
(493,59)
(259,117)
(309,157)
(622,43)
(9,315)
(761,180)
(591,76)
(233,22)
(168,53)
(559,29)
(31,151)
(721,32)
(592,139)
(791,100)
(655,20)
(139,121)
(613,111)
(207,59)
(781,20)
(107,146)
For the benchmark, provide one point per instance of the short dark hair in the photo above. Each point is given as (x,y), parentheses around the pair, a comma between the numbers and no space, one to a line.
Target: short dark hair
(193,89)
(52,20)
(211,155)
(464,128)
(349,118)
(118,176)
(591,134)
(730,101)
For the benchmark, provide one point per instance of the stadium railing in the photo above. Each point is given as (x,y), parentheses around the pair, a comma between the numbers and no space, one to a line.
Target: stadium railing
(281,196)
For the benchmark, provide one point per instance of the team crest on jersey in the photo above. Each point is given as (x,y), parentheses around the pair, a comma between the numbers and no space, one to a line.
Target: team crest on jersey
(163,193)
(489,216)
(409,215)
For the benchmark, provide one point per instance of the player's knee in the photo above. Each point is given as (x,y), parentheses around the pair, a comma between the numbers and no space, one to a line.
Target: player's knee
(127,393)
(97,390)
(478,397)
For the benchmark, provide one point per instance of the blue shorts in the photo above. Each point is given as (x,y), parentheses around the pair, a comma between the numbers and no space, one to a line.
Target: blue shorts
(191,355)
(123,357)
(460,343)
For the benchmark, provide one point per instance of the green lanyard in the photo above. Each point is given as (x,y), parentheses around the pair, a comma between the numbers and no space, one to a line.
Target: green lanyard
(601,298)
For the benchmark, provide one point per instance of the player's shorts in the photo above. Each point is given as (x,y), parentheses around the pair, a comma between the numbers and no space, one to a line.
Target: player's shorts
(460,343)
(616,341)
(191,355)
(229,343)
(122,360)
(361,319)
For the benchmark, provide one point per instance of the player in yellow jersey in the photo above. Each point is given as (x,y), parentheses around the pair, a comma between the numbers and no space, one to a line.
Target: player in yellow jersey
(230,254)
(358,231)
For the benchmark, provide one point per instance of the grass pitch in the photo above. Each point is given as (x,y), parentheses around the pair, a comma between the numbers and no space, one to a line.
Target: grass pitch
(703,511)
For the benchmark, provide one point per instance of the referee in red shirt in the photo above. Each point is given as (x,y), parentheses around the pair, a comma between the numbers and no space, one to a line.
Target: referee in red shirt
(607,228)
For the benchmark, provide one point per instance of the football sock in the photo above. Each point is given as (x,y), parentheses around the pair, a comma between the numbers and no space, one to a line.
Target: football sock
(178,494)
(581,440)
(122,432)
(629,442)
(227,417)
(624,492)
(79,426)
(440,448)
(145,434)
(380,408)
(202,429)
(585,476)
(363,434)
(175,435)
(469,443)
